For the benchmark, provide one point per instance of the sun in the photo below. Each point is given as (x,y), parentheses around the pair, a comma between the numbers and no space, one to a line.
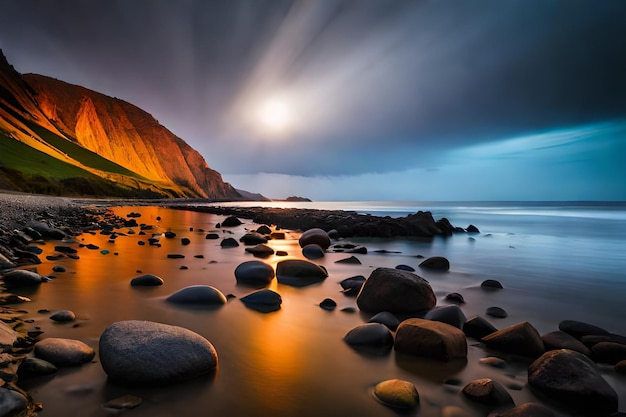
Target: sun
(275,115)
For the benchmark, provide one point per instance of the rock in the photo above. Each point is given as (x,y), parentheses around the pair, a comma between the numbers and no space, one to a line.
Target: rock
(395,291)
(497,312)
(281,253)
(526,410)
(487,391)
(620,367)
(431,339)
(455,297)
(261,251)
(59,268)
(264,230)
(397,393)
(253,239)
(520,339)
(231,221)
(169,235)
(299,273)
(229,242)
(146,280)
(608,352)
(148,352)
(451,315)
(438,263)
(175,256)
(63,316)
(277,235)
(185,241)
(454,411)
(328,304)
(477,327)
(212,236)
(22,278)
(200,295)
(491,284)
(264,301)
(315,236)
(313,251)
(562,340)
(12,403)
(472,229)
(124,402)
(36,367)
(370,335)
(65,249)
(5,263)
(63,352)
(493,362)
(578,329)
(405,268)
(254,273)
(386,318)
(352,285)
(353,260)
(573,380)
(8,336)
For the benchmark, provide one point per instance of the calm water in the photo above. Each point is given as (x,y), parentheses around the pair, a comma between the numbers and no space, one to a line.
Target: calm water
(555,262)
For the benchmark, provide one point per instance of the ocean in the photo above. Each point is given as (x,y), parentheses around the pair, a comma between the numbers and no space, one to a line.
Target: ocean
(556,261)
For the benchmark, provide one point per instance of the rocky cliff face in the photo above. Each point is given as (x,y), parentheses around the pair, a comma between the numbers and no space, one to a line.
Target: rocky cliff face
(113,129)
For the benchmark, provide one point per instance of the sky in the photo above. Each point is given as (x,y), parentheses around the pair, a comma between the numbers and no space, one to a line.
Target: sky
(362,99)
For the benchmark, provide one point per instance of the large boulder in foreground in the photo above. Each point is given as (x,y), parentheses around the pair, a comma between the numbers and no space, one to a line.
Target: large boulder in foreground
(147,352)
(299,273)
(572,379)
(431,339)
(395,291)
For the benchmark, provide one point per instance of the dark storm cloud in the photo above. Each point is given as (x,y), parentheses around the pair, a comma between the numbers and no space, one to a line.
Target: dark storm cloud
(376,86)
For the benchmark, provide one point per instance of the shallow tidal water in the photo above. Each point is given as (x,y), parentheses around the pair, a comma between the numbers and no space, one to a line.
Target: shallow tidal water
(293,362)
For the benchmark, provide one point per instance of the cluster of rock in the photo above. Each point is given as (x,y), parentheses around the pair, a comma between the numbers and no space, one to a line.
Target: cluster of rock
(344,223)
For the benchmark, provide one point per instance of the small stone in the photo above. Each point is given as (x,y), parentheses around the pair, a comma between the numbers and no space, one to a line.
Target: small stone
(438,263)
(169,235)
(200,295)
(405,268)
(124,402)
(63,316)
(212,236)
(62,352)
(328,304)
(353,260)
(493,362)
(231,221)
(487,391)
(175,256)
(59,268)
(185,241)
(455,297)
(397,393)
(491,284)
(264,301)
(386,318)
(496,312)
(229,242)
(146,280)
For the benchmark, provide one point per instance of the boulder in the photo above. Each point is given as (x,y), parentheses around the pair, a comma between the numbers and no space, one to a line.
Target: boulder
(432,339)
(572,379)
(526,410)
(455,297)
(254,273)
(608,352)
(63,352)
(487,391)
(12,403)
(395,291)
(212,236)
(229,242)
(313,251)
(148,352)
(496,312)
(253,239)
(352,286)
(231,221)
(578,329)
(451,315)
(405,267)
(520,339)
(561,340)
(264,301)
(199,295)
(397,393)
(386,318)
(477,327)
(369,335)
(299,273)
(146,280)
(316,236)
(438,263)
(260,251)
(22,278)
(491,284)
(264,230)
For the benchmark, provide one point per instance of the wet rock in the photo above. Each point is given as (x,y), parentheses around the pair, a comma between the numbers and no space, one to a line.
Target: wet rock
(353,260)
(231,221)
(620,367)
(36,367)
(148,352)
(520,339)
(455,297)
(12,403)
(352,285)
(264,301)
(261,251)
(572,379)
(175,256)
(395,291)
(491,284)
(63,316)
(454,411)
(438,263)
(22,278)
(8,336)
(386,318)
(369,335)
(472,229)
(497,312)
(5,263)
(487,391)
(124,402)
(277,235)
(578,329)
(281,253)
(63,352)
(212,236)
(146,280)
(59,268)
(328,304)
(254,273)
(315,236)
(431,339)
(313,251)
(253,239)
(264,230)
(405,268)
(608,352)
(477,327)
(561,340)
(493,362)
(185,241)
(229,242)
(525,410)
(299,273)
(200,295)
(397,393)
(451,315)
(169,235)
(65,249)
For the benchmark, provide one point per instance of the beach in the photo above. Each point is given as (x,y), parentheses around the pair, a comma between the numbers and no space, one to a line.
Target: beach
(293,361)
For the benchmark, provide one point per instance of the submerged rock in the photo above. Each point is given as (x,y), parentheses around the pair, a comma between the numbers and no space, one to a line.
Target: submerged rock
(397,393)
(63,316)
(63,352)
(203,295)
(438,263)
(146,280)
(299,273)
(264,301)
(147,352)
